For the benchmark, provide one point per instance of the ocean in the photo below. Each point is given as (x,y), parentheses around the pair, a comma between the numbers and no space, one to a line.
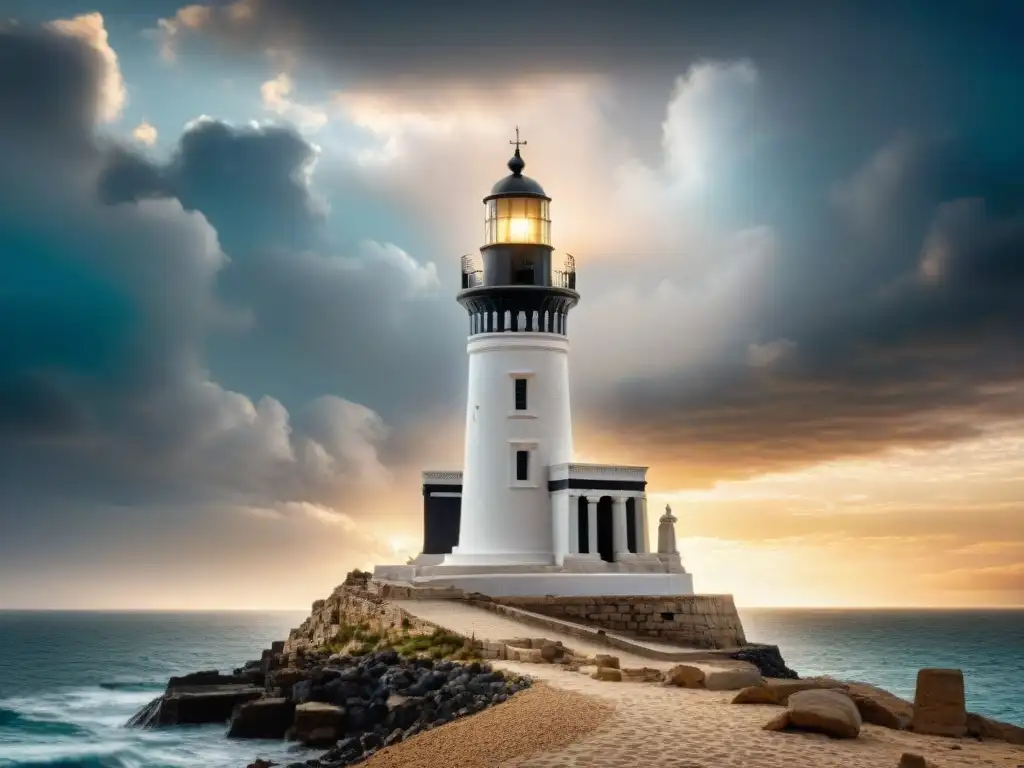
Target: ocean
(69,681)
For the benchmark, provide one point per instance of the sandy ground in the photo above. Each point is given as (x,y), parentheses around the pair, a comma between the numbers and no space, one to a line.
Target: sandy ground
(576,722)
(538,720)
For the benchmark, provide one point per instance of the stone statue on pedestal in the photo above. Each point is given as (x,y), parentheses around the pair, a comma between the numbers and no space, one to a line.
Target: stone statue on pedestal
(667,533)
(667,552)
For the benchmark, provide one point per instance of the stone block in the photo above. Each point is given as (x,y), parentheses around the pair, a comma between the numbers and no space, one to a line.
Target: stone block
(608,674)
(939,707)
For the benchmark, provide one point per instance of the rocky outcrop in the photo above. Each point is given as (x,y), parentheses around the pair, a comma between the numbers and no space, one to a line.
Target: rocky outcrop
(939,708)
(352,705)
(820,711)
(196,699)
(767,658)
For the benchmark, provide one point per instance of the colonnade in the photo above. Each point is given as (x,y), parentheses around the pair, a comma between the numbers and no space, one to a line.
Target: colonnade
(620,527)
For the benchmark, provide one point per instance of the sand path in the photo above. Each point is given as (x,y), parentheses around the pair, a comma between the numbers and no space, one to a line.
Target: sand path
(667,727)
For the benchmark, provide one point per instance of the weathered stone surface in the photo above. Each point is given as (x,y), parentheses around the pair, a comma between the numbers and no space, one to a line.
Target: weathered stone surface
(318,724)
(939,708)
(879,707)
(262,719)
(604,660)
(730,676)
(985,728)
(778,723)
(824,711)
(608,674)
(685,676)
(714,675)
(774,691)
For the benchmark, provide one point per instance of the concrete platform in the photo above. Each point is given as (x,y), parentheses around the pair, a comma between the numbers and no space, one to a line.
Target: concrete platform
(525,581)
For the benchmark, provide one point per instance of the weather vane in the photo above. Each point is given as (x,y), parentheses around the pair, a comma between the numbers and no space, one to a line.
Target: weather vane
(517,142)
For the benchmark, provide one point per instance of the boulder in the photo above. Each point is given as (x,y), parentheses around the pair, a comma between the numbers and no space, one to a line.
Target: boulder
(776,691)
(714,675)
(604,660)
(200,705)
(914,760)
(821,711)
(262,719)
(286,677)
(985,728)
(879,707)
(552,652)
(685,676)
(608,674)
(939,708)
(318,724)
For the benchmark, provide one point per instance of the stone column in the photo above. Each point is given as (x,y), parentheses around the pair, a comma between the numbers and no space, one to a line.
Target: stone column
(574,523)
(643,544)
(620,538)
(592,525)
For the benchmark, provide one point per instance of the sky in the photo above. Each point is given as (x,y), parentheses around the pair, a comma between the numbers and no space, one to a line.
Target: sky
(230,236)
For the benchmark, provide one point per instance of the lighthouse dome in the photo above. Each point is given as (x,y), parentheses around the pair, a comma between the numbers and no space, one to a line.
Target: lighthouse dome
(515,183)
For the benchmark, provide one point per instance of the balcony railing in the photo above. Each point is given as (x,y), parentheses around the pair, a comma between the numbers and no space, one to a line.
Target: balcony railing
(560,278)
(565,277)
(471,276)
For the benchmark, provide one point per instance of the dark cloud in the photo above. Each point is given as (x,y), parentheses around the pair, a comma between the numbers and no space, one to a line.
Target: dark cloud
(906,332)
(366,318)
(115,279)
(52,86)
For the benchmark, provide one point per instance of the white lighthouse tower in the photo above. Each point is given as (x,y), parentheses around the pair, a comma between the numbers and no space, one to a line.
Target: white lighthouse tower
(518,421)
(522,518)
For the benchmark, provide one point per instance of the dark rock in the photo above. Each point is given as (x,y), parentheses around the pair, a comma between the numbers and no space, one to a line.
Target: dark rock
(395,737)
(194,706)
(768,660)
(319,724)
(262,719)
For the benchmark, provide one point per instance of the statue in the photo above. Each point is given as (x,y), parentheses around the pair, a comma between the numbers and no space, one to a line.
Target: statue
(667,533)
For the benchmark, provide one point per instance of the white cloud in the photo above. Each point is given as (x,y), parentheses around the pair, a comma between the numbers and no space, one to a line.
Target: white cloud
(275,94)
(145,133)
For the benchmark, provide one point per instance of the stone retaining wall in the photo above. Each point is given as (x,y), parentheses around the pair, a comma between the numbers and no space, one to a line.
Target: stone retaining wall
(702,621)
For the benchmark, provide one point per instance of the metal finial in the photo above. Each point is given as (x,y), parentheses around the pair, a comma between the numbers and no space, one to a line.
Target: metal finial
(516,164)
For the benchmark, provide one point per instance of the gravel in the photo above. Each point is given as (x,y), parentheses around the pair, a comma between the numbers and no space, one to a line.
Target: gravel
(539,719)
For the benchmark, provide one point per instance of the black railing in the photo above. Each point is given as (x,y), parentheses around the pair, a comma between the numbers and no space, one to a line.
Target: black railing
(565,277)
(471,276)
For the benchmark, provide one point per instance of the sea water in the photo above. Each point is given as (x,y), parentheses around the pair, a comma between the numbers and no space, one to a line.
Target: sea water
(69,681)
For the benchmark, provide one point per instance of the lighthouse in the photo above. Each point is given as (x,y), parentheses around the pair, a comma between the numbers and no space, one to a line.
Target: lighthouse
(518,419)
(521,517)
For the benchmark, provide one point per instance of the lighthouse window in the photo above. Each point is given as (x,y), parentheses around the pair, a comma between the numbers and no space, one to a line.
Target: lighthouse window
(520,394)
(522,465)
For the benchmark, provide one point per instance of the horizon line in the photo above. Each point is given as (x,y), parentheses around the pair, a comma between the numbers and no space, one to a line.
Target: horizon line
(5,609)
